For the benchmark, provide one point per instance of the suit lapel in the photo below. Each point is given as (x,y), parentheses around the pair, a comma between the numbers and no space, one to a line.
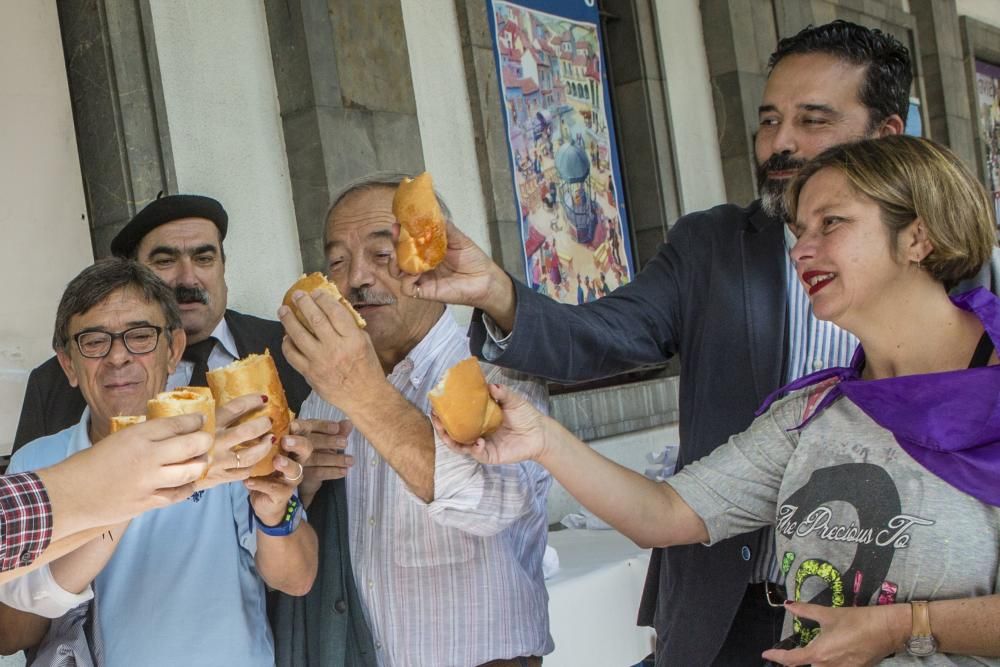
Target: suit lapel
(765,296)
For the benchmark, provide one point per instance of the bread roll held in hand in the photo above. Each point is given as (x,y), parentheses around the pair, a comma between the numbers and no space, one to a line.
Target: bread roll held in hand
(318,281)
(254,374)
(462,402)
(184,401)
(124,421)
(422,240)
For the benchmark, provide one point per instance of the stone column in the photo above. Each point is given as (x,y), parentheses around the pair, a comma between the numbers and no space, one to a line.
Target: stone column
(46,237)
(346,100)
(218,87)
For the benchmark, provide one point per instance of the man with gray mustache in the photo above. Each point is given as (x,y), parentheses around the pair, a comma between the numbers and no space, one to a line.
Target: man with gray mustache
(447,553)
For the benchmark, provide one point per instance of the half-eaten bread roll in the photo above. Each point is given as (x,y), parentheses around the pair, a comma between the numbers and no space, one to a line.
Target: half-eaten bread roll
(124,421)
(318,281)
(185,401)
(463,403)
(423,239)
(254,374)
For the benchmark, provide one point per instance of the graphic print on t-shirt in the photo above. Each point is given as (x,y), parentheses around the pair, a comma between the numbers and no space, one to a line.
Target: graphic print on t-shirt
(851,503)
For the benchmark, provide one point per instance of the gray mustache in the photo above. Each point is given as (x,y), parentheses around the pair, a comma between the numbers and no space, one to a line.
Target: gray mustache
(366,296)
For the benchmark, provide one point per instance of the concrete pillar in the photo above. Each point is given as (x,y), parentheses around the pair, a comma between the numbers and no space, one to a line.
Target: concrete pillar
(43,217)
(692,112)
(221,105)
(346,99)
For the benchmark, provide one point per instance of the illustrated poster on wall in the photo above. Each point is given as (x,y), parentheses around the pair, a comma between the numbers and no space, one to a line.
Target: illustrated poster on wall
(563,153)
(988,100)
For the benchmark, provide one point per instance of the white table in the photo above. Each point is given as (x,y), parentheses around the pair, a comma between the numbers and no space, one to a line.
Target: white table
(594,600)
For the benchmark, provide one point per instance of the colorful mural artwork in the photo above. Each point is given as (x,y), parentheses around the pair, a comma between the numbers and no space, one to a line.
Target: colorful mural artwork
(563,154)
(988,100)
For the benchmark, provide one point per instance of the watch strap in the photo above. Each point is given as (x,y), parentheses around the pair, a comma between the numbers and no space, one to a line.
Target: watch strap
(920,619)
(289,521)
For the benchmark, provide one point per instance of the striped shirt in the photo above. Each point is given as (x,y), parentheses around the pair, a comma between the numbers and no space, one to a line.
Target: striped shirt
(813,345)
(457,581)
(25,520)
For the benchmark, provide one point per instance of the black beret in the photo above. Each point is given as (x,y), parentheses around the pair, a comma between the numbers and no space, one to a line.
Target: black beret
(164,210)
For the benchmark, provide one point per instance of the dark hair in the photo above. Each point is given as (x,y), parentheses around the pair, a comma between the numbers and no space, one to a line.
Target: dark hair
(100,279)
(886,88)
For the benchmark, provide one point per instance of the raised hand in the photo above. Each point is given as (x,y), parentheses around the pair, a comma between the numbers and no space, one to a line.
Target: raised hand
(521,436)
(234,466)
(328,460)
(338,360)
(269,495)
(467,276)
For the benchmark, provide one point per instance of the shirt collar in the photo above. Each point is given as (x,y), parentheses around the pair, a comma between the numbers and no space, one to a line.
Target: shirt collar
(81,438)
(224,336)
(421,358)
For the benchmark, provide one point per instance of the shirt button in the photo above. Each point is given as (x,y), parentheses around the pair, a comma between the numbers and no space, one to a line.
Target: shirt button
(745,552)
(371,584)
(375,461)
(378,645)
(818,365)
(371,521)
(340,606)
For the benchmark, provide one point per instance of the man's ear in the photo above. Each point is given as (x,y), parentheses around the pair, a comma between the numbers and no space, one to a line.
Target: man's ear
(177,345)
(892,125)
(67,366)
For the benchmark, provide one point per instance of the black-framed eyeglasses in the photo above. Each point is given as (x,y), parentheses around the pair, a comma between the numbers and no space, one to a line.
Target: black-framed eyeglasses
(137,340)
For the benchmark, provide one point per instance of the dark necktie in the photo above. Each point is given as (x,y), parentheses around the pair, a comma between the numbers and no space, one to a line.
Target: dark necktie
(198,353)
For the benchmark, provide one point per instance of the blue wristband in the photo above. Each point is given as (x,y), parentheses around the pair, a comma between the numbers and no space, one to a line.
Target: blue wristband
(289,522)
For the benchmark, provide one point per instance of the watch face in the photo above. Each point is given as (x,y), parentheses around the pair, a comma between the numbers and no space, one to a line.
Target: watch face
(921,646)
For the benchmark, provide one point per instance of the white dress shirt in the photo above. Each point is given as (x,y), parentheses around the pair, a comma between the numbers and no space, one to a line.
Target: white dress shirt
(456,582)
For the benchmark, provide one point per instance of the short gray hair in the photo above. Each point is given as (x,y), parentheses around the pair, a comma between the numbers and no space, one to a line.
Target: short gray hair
(378,179)
(103,277)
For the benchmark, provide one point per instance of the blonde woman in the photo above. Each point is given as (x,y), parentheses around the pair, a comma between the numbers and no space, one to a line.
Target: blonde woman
(882,479)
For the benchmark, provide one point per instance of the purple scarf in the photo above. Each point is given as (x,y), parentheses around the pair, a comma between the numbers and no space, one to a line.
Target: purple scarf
(949,422)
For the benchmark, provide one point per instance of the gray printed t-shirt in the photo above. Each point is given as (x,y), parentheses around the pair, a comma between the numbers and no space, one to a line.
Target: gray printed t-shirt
(858,521)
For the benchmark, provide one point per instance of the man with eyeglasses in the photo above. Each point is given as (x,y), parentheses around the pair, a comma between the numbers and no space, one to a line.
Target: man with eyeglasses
(180,585)
(180,237)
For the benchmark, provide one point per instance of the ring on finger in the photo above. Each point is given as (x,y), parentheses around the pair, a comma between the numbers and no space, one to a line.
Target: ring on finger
(302,472)
(238,463)
(418,291)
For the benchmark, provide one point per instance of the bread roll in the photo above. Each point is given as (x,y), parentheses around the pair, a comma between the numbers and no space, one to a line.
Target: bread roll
(255,374)
(318,281)
(124,421)
(423,239)
(183,402)
(463,403)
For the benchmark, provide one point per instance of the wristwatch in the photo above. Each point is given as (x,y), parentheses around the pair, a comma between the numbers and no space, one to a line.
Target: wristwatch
(289,521)
(921,642)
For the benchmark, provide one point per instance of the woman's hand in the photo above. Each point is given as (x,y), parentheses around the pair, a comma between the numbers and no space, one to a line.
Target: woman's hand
(848,637)
(521,436)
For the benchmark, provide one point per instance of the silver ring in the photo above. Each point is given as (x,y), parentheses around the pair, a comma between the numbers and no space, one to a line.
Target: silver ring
(302,473)
(237,455)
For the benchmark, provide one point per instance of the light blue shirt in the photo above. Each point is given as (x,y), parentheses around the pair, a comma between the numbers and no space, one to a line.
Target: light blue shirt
(182,587)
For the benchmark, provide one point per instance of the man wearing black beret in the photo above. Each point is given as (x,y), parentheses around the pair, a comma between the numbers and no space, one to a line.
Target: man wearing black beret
(180,238)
